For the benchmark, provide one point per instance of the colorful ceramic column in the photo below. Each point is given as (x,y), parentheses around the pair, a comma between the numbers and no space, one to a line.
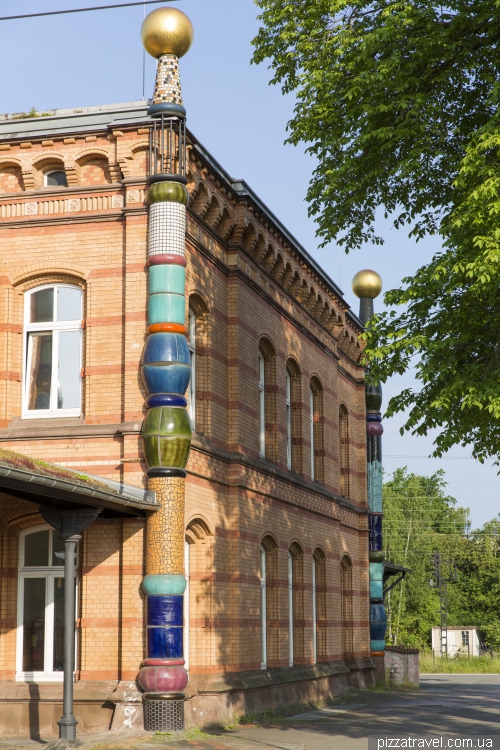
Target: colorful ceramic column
(367,285)
(166,34)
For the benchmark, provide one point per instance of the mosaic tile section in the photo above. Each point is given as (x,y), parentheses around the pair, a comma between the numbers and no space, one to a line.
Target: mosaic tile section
(167,229)
(168,81)
(165,528)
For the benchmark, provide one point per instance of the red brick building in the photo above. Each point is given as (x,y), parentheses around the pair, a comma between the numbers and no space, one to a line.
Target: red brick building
(276,509)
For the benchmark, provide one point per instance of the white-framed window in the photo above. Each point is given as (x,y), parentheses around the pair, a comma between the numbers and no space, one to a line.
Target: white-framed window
(262,406)
(52,383)
(465,637)
(55,178)
(288,421)
(263,608)
(192,382)
(311,420)
(315,644)
(40,611)
(185,633)
(290,609)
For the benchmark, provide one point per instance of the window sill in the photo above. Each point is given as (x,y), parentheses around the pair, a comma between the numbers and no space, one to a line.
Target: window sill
(69,414)
(41,677)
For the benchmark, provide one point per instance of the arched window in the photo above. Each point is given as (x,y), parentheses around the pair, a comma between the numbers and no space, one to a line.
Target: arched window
(290,609)
(263,609)
(262,406)
(346,606)
(52,351)
(317,438)
(192,382)
(288,406)
(314,602)
(198,596)
(311,432)
(267,400)
(40,633)
(344,450)
(198,334)
(269,604)
(55,178)
(296,604)
(185,632)
(293,416)
(319,605)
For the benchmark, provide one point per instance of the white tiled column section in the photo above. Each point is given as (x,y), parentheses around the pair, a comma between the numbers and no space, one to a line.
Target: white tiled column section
(167,228)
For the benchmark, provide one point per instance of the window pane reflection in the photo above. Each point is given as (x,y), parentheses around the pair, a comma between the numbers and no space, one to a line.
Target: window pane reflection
(42,306)
(36,548)
(34,624)
(57,178)
(68,391)
(58,658)
(40,370)
(57,550)
(69,303)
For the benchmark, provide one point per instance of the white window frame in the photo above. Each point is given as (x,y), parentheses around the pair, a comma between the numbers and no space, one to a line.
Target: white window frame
(290,609)
(311,419)
(55,328)
(315,645)
(186,608)
(192,380)
(263,608)
(288,403)
(49,572)
(262,406)
(46,174)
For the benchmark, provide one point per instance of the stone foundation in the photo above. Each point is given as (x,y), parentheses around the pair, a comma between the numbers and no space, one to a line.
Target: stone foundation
(32,710)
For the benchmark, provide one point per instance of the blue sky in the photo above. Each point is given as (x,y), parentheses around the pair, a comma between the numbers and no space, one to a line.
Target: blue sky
(97,58)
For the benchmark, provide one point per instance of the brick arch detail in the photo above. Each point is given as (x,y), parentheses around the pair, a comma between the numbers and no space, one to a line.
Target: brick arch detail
(38,269)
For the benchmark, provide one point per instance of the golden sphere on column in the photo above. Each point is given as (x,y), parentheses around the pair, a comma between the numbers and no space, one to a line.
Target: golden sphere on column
(367,283)
(167,31)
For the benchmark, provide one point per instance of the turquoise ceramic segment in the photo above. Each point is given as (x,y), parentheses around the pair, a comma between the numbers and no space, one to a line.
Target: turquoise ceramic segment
(377,645)
(375,486)
(164,585)
(376,572)
(376,589)
(166,308)
(167,278)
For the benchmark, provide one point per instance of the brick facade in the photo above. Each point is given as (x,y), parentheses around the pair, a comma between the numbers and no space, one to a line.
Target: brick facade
(251,288)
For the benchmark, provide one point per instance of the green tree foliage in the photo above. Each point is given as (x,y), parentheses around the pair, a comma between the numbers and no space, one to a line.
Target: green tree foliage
(420,519)
(398,101)
(476,596)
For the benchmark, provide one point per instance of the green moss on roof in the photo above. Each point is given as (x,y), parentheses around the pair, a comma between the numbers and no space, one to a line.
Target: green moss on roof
(15,460)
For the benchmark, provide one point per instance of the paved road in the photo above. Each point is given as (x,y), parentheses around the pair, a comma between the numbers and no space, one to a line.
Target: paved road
(454,705)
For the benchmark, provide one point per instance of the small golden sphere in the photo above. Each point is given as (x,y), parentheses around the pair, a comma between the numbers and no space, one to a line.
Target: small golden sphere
(367,283)
(167,31)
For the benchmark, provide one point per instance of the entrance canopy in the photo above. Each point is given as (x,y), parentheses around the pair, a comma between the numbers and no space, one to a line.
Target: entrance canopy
(62,489)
